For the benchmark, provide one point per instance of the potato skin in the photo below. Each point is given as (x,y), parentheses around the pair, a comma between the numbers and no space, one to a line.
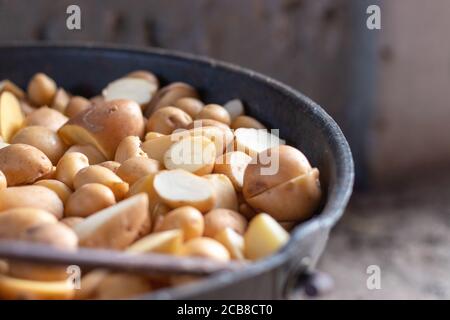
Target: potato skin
(88,199)
(205,248)
(186,218)
(46,117)
(15,221)
(23,164)
(41,89)
(218,219)
(191,106)
(42,138)
(168,119)
(215,112)
(133,169)
(69,165)
(76,105)
(32,197)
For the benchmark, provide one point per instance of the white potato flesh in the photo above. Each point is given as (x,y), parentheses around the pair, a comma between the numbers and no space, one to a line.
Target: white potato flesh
(139,90)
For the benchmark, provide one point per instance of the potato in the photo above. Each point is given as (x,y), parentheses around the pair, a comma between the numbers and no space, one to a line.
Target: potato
(128,148)
(15,221)
(102,175)
(273,167)
(76,105)
(121,286)
(14,289)
(253,141)
(89,284)
(46,117)
(94,156)
(166,120)
(246,122)
(225,194)
(294,200)
(167,95)
(71,222)
(152,135)
(131,88)
(11,116)
(233,241)
(3,183)
(57,235)
(57,186)
(218,219)
(191,106)
(6,85)
(263,237)
(23,164)
(195,154)
(42,138)
(49,175)
(135,168)
(166,242)
(88,199)
(215,112)
(69,165)
(145,184)
(233,165)
(178,188)
(187,219)
(26,107)
(111,165)
(200,123)
(41,90)
(235,108)
(247,211)
(37,197)
(205,248)
(61,100)
(115,227)
(146,75)
(104,126)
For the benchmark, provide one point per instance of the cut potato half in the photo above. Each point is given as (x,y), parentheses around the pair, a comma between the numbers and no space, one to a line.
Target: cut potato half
(115,227)
(168,242)
(253,141)
(18,289)
(179,188)
(225,194)
(264,237)
(194,154)
(136,89)
(11,116)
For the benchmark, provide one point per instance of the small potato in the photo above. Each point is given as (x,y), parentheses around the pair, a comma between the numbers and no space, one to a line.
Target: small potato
(69,165)
(146,75)
(3,183)
(215,112)
(23,164)
(195,154)
(15,221)
(233,165)
(178,188)
(135,168)
(191,106)
(11,116)
(246,122)
(76,105)
(57,186)
(187,219)
(235,108)
(88,199)
(233,241)
(7,85)
(102,175)
(128,148)
(205,248)
(19,289)
(168,119)
(200,123)
(111,165)
(263,237)
(60,100)
(71,222)
(167,242)
(121,286)
(41,90)
(46,117)
(94,156)
(218,219)
(42,138)
(225,194)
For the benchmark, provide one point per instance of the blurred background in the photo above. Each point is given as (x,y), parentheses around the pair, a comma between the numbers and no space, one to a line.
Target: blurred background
(388,89)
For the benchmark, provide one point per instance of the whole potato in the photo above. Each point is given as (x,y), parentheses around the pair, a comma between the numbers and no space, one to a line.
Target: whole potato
(205,248)
(23,164)
(41,89)
(76,105)
(57,186)
(218,219)
(37,197)
(111,165)
(46,117)
(191,106)
(186,218)
(168,119)
(94,156)
(69,165)
(215,112)
(88,199)
(135,168)
(15,221)
(42,138)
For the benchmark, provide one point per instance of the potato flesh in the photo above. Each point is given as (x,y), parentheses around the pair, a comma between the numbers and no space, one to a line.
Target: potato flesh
(11,117)
(139,90)
(233,241)
(12,288)
(253,141)
(168,242)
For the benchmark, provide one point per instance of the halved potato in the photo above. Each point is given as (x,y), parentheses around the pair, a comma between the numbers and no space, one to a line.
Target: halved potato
(253,141)
(225,194)
(179,188)
(233,241)
(11,116)
(19,289)
(195,154)
(263,237)
(136,89)
(168,242)
(233,165)
(115,227)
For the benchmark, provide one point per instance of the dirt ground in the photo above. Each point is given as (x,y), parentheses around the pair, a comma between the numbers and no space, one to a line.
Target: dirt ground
(405,231)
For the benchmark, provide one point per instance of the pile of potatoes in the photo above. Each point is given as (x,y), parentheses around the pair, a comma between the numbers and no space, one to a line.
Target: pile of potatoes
(140,168)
